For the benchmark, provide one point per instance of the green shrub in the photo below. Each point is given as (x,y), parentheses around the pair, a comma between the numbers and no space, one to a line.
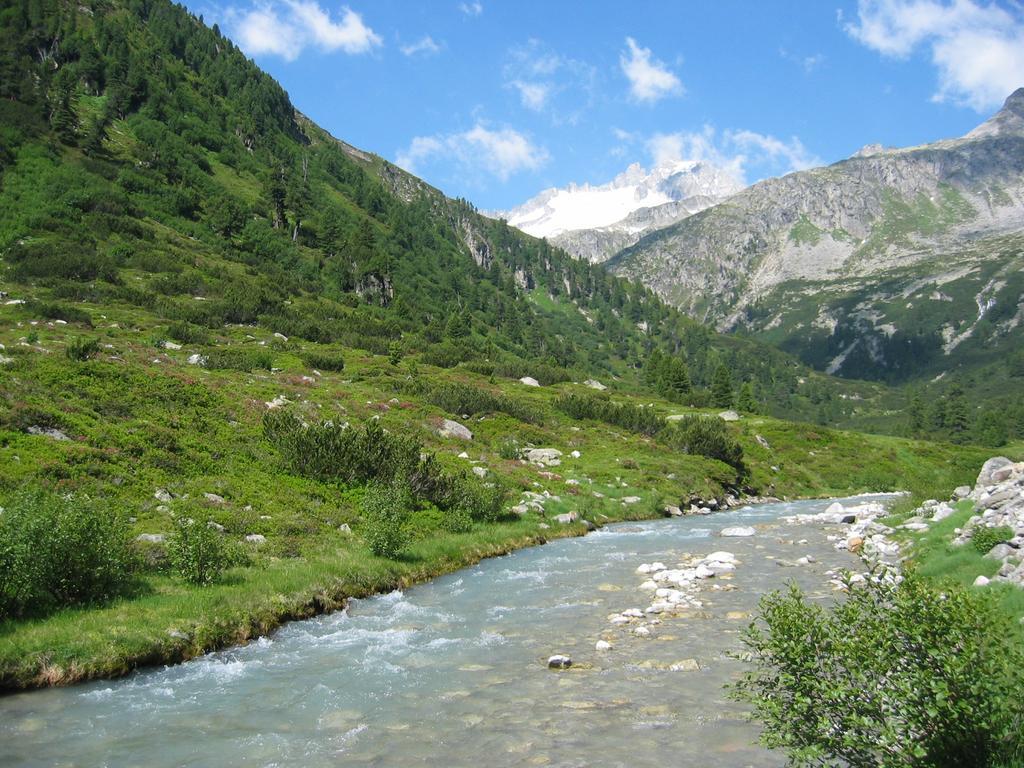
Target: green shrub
(705,436)
(58,311)
(509,449)
(239,359)
(197,552)
(984,538)
(57,551)
(82,349)
(458,520)
(905,675)
(186,333)
(324,360)
(385,508)
(458,398)
(626,415)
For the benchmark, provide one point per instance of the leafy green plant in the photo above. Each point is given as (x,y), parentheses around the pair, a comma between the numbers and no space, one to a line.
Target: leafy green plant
(186,333)
(625,415)
(385,509)
(324,360)
(239,359)
(706,436)
(895,675)
(984,538)
(197,552)
(82,349)
(57,551)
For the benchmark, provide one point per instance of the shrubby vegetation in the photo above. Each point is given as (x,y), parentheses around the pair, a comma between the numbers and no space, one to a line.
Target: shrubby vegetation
(369,455)
(238,358)
(197,552)
(984,538)
(324,360)
(458,398)
(386,508)
(894,675)
(635,418)
(81,349)
(57,551)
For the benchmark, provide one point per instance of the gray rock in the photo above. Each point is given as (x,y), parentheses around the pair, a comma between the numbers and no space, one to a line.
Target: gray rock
(762,442)
(729,416)
(345,528)
(215,526)
(1001,552)
(559,661)
(50,432)
(450,428)
(177,634)
(213,498)
(595,384)
(480,472)
(962,492)
(256,538)
(588,525)
(567,518)
(151,538)
(738,531)
(529,381)
(162,495)
(549,457)
(989,467)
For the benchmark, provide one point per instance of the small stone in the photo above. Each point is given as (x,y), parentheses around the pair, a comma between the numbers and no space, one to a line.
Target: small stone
(256,538)
(151,538)
(450,428)
(213,498)
(686,665)
(602,645)
(529,381)
(559,661)
(738,531)
(729,416)
(981,581)
(215,526)
(641,631)
(345,528)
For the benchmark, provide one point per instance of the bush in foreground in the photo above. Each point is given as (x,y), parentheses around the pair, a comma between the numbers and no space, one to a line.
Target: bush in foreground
(57,551)
(385,509)
(896,675)
(197,552)
(984,538)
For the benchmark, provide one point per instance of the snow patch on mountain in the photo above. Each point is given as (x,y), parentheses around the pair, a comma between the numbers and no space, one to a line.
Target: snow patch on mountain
(585,206)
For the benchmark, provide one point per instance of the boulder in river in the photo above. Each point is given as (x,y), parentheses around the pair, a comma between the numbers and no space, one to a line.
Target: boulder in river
(602,645)
(738,531)
(559,661)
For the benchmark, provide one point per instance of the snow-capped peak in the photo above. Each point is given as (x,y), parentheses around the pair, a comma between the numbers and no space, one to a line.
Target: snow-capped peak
(583,206)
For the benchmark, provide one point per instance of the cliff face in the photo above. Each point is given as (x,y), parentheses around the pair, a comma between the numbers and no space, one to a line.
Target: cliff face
(762,258)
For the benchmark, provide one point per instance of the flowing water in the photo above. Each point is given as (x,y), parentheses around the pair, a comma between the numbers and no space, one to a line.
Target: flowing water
(452,672)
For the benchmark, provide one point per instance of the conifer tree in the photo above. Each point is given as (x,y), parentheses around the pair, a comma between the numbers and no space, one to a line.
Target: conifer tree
(721,387)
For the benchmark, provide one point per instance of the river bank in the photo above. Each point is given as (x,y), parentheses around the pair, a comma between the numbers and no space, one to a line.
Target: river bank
(456,667)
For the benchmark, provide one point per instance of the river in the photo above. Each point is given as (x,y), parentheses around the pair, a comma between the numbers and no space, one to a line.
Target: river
(453,672)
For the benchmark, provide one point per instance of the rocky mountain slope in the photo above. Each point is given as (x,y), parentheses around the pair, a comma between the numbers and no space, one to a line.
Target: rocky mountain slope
(883,265)
(595,222)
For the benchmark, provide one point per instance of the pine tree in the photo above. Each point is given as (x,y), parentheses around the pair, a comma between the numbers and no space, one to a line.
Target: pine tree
(956,411)
(745,400)
(721,387)
(676,379)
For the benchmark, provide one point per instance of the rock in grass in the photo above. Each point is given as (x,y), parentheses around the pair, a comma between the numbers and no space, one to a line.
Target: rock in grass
(559,661)
(256,538)
(451,428)
(981,581)
(529,381)
(151,538)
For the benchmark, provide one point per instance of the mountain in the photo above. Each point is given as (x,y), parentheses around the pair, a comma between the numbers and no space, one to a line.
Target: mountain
(150,170)
(895,264)
(595,222)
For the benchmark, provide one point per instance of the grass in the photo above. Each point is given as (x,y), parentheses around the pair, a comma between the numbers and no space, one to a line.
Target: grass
(142,419)
(934,556)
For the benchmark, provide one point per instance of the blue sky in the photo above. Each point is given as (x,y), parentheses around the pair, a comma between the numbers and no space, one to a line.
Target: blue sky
(496,100)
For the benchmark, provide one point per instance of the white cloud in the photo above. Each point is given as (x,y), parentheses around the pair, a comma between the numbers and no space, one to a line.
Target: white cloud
(649,79)
(533,95)
(497,152)
(288,27)
(733,151)
(977,49)
(425,45)
(471,9)
(548,82)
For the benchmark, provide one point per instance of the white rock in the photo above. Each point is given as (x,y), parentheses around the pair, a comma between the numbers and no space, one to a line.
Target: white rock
(162,495)
(480,472)
(549,457)
(602,645)
(981,581)
(559,661)
(256,538)
(595,384)
(729,416)
(277,402)
(529,381)
(632,613)
(703,572)
(450,428)
(151,538)
(738,531)
(631,500)
(721,557)
(575,454)
(649,586)
(641,631)
(196,359)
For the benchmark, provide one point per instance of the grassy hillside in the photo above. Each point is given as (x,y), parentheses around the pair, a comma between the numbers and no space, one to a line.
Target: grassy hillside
(138,418)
